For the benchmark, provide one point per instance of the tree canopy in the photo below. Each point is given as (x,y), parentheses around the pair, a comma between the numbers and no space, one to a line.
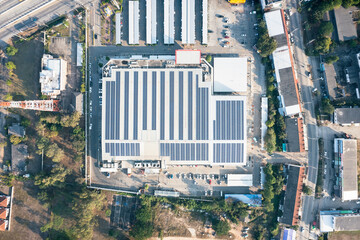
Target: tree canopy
(331,59)
(221,227)
(11,50)
(326,28)
(322,45)
(266,45)
(10,65)
(270,140)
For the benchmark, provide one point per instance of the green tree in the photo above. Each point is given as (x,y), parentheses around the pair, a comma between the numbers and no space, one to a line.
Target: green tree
(143,227)
(326,28)
(15,139)
(71,120)
(221,227)
(331,59)
(270,140)
(8,97)
(322,45)
(54,180)
(54,152)
(11,50)
(265,44)
(10,66)
(208,58)
(307,190)
(327,107)
(9,82)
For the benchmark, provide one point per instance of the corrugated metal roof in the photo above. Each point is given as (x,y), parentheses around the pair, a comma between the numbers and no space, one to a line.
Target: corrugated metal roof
(188,22)
(151,11)
(134,22)
(169,30)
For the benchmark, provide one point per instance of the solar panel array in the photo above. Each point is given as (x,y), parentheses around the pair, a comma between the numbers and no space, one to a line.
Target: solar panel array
(123,149)
(173,108)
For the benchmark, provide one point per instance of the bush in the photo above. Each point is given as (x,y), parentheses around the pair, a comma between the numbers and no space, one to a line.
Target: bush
(221,227)
(327,107)
(10,66)
(108,213)
(307,190)
(208,58)
(265,44)
(326,28)
(143,227)
(11,50)
(331,59)
(15,139)
(270,140)
(9,82)
(322,45)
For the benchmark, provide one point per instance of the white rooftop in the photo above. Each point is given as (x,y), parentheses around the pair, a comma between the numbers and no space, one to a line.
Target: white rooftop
(187,57)
(230,74)
(273,21)
(240,180)
(53,75)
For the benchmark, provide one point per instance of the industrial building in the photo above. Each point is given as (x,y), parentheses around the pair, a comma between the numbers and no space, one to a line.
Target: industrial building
(240,180)
(345,151)
(283,64)
(295,135)
(157,110)
(205,22)
(347,116)
(339,220)
(118,27)
(188,22)
(151,11)
(79,54)
(230,74)
(169,15)
(134,22)
(292,199)
(345,25)
(52,75)
(253,200)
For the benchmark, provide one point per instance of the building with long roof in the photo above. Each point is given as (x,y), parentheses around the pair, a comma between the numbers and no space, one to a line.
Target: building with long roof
(167,112)
(283,64)
(339,220)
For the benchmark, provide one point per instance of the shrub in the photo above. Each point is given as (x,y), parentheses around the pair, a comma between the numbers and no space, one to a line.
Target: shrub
(331,59)
(221,227)
(10,66)
(270,140)
(11,50)
(307,190)
(208,58)
(326,28)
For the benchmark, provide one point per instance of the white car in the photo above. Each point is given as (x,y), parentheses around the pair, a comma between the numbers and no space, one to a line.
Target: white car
(243,35)
(90,126)
(226,19)
(90,102)
(90,89)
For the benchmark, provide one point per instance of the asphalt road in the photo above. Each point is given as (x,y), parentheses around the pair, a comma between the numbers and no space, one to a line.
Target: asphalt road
(18,17)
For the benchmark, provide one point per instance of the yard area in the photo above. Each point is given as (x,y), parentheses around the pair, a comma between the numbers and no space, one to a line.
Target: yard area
(344,236)
(25,78)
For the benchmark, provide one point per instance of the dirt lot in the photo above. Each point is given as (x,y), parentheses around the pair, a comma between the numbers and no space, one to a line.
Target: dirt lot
(344,236)
(28,215)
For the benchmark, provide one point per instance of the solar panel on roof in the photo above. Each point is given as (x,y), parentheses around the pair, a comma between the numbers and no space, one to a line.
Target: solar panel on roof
(181,106)
(136,86)
(126,107)
(228,152)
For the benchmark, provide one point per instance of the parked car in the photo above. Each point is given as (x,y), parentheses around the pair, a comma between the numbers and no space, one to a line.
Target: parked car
(226,19)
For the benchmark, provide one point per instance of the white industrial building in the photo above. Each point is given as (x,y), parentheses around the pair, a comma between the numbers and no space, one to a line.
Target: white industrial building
(345,151)
(169,29)
(187,56)
(169,114)
(230,74)
(283,64)
(118,28)
(52,75)
(239,180)
(151,22)
(264,118)
(134,22)
(339,220)
(79,54)
(205,22)
(188,22)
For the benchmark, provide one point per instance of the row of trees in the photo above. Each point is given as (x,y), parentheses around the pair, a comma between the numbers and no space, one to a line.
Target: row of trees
(266,45)
(276,132)
(268,225)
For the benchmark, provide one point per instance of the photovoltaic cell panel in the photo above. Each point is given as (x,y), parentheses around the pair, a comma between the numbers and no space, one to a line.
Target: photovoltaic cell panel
(181,104)
(162,105)
(107,114)
(144,101)
(229,123)
(136,91)
(117,106)
(190,108)
(126,107)
(124,149)
(112,110)
(171,106)
(185,151)
(153,100)
(228,153)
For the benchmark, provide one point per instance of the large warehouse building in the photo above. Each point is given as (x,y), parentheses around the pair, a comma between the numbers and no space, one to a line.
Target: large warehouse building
(345,151)
(167,112)
(283,64)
